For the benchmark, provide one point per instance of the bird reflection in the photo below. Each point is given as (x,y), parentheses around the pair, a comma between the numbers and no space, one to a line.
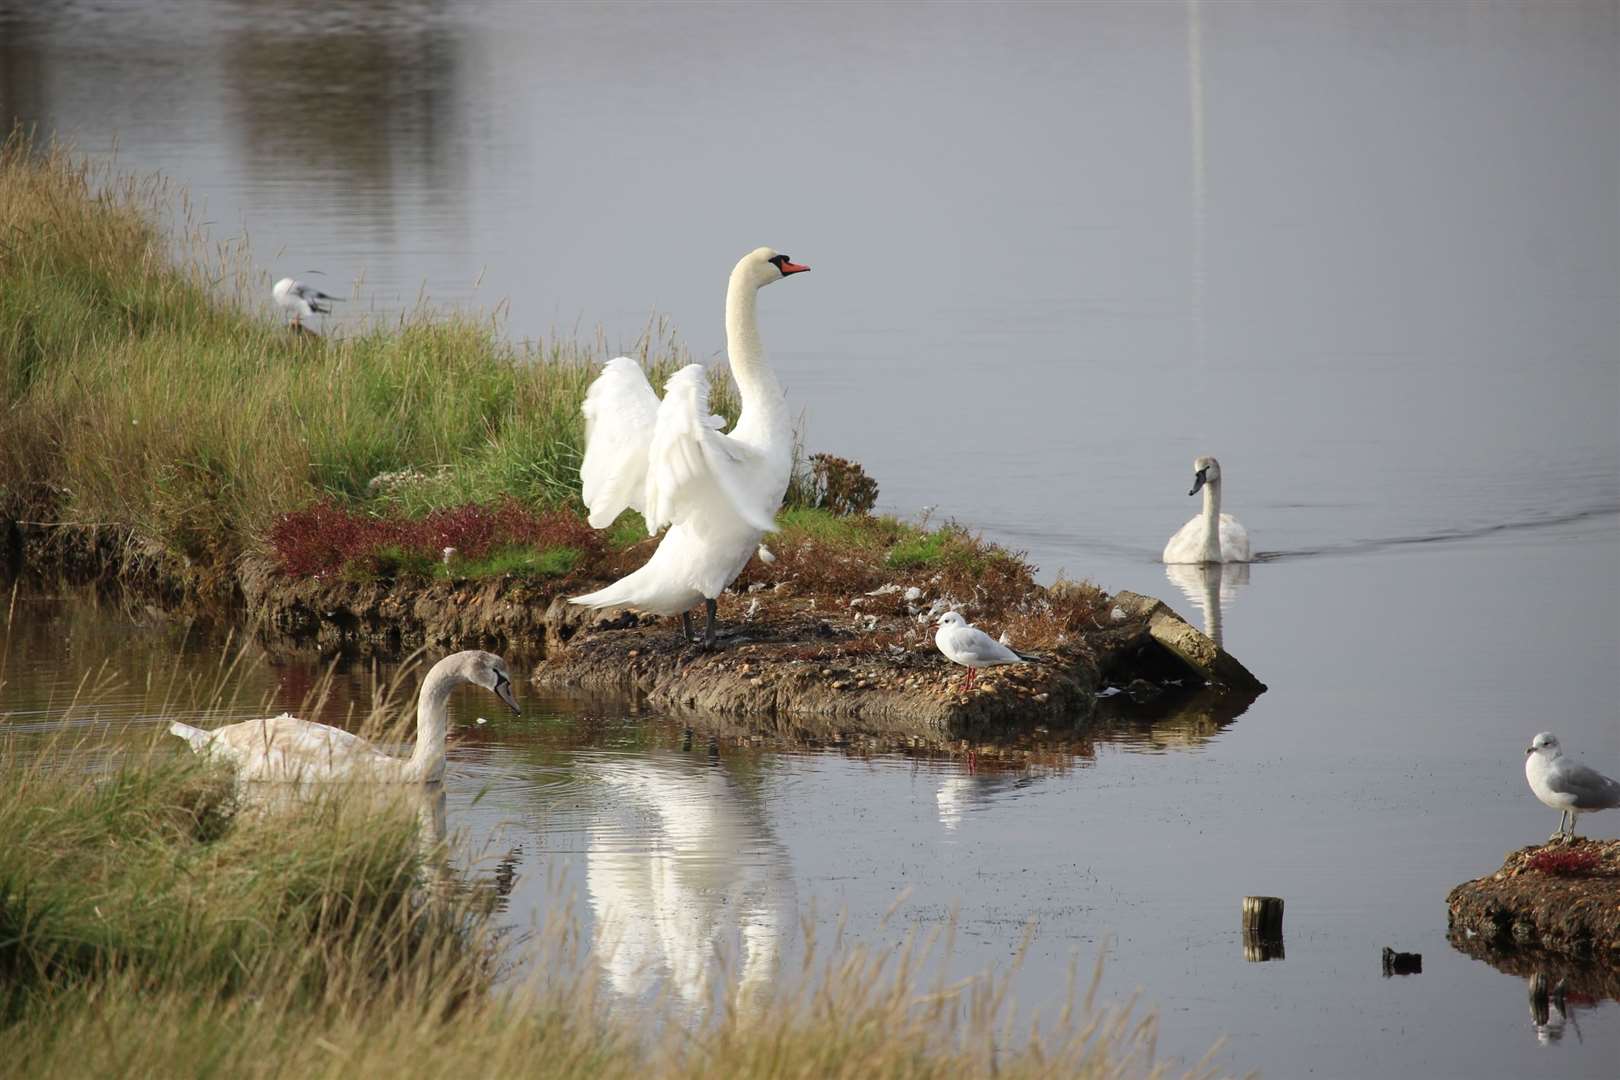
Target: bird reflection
(705,882)
(1552,1008)
(1209,586)
(963,790)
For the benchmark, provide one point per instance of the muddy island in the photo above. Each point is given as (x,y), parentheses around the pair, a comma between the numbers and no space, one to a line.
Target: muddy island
(1557,898)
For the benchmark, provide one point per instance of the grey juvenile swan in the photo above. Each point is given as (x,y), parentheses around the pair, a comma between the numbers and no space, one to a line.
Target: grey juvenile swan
(286,749)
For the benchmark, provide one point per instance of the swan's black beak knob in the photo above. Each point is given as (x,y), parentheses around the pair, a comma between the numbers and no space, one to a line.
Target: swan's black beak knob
(503,690)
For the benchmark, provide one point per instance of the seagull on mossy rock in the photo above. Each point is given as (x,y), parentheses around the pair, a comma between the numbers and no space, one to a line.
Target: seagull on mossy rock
(965,644)
(1566,785)
(302,300)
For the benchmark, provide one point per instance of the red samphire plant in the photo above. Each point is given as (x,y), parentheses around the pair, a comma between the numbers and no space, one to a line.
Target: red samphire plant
(323,537)
(1564,861)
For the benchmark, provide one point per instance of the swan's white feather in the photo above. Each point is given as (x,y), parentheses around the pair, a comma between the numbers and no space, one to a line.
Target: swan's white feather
(1187,545)
(286,748)
(692,468)
(620,411)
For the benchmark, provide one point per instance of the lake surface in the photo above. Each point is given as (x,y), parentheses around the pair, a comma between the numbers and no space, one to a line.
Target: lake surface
(1368,255)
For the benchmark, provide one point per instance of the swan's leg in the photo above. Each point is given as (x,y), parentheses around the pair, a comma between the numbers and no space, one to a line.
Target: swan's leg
(686,627)
(709,607)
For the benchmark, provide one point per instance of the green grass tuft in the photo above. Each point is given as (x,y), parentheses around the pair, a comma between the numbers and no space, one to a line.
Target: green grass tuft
(516,561)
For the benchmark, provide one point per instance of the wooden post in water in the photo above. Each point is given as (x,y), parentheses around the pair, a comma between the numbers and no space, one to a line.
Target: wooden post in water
(1262,928)
(1262,916)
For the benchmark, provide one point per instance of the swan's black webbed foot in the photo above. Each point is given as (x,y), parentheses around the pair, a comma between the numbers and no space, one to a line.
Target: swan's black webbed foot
(711,640)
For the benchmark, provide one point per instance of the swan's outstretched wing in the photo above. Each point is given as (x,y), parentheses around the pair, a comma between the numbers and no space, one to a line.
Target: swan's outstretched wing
(692,468)
(620,413)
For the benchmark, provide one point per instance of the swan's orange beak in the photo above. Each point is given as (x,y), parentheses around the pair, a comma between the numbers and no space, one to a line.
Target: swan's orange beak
(792,268)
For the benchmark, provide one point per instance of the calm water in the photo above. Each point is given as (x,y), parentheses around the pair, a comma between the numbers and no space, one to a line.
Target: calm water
(1366,254)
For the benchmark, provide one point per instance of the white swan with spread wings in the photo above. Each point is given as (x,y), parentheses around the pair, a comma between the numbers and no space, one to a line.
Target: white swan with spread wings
(717,491)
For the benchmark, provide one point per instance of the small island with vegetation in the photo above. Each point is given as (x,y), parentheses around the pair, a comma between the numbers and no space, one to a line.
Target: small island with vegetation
(415,484)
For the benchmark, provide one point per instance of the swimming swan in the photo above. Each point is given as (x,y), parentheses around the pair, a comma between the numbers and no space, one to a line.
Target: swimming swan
(717,492)
(285,748)
(1199,541)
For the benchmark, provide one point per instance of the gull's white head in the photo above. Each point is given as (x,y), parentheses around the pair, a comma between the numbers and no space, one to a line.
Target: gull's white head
(282,288)
(951,620)
(1545,744)
(487,670)
(762,266)
(1206,470)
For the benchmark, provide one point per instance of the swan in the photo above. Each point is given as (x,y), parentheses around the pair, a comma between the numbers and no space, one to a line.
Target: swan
(1200,541)
(285,748)
(302,300)
(1564,785)
(717,492)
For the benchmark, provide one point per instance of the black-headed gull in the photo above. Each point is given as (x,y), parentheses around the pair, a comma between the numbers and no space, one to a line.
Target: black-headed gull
(965,644)
(301,299)
(1566,785)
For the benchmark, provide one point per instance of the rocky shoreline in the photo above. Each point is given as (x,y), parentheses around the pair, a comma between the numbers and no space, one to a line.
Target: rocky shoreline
(866,666)
(1560,898)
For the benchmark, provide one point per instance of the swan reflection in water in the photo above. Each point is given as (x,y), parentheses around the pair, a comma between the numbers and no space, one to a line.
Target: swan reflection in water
(684,876)
(1209,586)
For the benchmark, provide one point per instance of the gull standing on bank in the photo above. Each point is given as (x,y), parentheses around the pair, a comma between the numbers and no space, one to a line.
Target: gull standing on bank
(971,647)
(1566,786)
(302,300)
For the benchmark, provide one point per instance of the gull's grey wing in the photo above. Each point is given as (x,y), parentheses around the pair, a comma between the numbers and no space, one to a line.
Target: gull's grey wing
(1590,788)
(314,296)
(984,648)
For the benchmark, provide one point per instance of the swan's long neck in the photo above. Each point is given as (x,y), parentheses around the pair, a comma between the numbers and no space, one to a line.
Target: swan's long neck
(432,724)
(1212,521)
(764,408)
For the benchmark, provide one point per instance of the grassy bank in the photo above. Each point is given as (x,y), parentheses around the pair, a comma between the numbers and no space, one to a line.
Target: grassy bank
(146,383)
(154,924)
(147,387)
